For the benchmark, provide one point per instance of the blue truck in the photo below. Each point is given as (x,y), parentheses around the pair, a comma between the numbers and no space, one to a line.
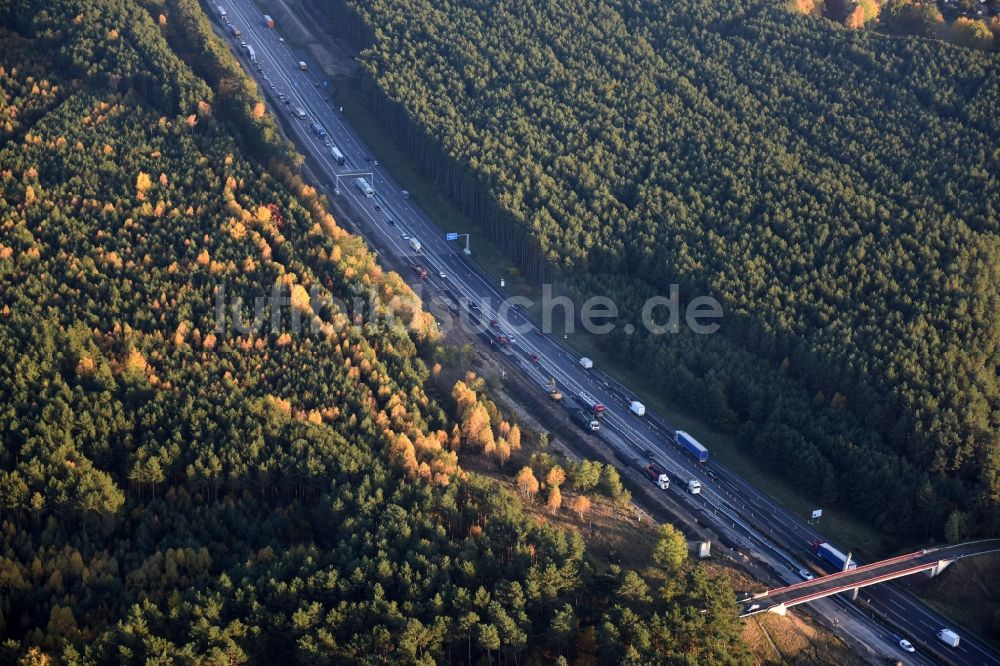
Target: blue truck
(691,445)
(831,557)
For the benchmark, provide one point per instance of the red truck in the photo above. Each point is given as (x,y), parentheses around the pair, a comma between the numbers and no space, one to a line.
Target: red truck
(420,271)
(657,474)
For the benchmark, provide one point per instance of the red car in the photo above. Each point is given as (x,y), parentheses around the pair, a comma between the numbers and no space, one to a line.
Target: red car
(494,322)
(533,358)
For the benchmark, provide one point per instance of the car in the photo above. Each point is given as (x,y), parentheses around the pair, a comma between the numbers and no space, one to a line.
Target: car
(406,236)
(281,39)
(326,142)
(374,162)
(287,101)
(534,358)
(712,475)
(404,194)
(442,275)
(749,608)
(242,43)
(906,645)
(649,453)
(474,306)
(391,222)
(495,322)
(377,207)
(805,574)
(271,83)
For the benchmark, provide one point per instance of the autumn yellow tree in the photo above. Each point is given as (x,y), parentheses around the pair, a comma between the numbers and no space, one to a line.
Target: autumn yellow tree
(554,501)
(556,476)
(526,482)
(581,505)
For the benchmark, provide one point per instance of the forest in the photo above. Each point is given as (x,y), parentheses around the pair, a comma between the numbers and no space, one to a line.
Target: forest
(176,490)
(836,190)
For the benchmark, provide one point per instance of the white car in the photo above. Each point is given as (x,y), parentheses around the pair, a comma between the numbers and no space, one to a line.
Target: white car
(905,645)
(406,236)
(441,274)
(805,574)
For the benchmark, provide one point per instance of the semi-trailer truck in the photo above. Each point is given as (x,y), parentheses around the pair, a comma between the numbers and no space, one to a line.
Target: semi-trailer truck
(365,188)
(691,445)
(637,408)
(833,557)
(587,421)
(592,404)
(222,11)
(657,474)
(338,156)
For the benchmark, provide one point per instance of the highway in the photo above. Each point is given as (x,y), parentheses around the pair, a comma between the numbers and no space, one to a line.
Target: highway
(749,520)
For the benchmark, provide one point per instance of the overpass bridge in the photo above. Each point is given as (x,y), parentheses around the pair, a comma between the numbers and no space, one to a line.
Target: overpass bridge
(931,560)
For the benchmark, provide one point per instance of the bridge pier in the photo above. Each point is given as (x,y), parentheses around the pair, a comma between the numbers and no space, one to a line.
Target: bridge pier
(780,609)
(939,567)
(854,594)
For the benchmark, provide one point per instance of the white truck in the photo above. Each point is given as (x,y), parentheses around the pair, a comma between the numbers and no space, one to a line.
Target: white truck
(365,188)
(303,66)
(949,637)
(300,113)
(222,11)
(586,363)
(251,53)
(338,156)
(415,245)
(694,486)
(637,408)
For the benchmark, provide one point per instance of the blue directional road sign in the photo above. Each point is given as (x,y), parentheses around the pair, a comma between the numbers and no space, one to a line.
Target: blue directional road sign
(451,236)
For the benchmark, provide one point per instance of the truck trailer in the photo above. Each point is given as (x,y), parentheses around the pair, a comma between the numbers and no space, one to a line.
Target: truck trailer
(691,445)
(657,474)
(221,11)
(365,188)
(832,557)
